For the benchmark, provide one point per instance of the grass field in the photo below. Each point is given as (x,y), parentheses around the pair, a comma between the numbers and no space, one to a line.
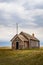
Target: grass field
(21,57)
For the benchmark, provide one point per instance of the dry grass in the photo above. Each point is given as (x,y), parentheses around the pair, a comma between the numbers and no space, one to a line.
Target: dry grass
(21,57)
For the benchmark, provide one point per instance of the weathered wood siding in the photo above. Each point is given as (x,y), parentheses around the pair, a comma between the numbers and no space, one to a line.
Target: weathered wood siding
(26,44)
(21,44)
(34,44)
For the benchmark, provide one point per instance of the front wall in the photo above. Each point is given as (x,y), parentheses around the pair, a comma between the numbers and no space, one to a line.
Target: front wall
(34,43)
(21,44)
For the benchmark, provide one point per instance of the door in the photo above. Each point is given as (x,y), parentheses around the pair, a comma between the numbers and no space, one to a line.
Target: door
(17,45)
(28,44)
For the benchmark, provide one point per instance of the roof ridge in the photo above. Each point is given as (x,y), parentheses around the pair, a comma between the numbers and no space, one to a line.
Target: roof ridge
(25,33)
(28,36)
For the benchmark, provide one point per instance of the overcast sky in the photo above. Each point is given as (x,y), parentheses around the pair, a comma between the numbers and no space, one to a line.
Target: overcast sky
(27,13)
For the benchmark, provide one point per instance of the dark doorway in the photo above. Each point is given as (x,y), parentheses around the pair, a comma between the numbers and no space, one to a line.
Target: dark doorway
(17,44)
(28,44)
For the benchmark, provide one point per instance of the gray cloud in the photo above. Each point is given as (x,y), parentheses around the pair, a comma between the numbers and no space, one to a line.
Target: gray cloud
(12,20)
(23,23)
(39,6)
(15,18)
(7,0)
(27,6)
(39,20)
(27,13)
(2,19)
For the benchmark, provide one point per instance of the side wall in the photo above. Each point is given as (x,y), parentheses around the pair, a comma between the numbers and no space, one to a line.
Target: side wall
(34,44)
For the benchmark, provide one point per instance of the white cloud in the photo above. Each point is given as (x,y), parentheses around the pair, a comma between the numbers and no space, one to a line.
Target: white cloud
(6,33)
(10,8)
(26,17)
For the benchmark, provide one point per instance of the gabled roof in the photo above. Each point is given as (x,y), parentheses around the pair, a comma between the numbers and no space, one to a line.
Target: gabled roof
(28,36)
(20,37)
(24,37)
(14,37)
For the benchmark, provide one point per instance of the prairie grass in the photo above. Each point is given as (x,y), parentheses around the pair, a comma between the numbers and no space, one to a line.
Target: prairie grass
(21,57)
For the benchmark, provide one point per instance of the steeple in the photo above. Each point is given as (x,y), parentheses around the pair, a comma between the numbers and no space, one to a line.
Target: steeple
(16,28)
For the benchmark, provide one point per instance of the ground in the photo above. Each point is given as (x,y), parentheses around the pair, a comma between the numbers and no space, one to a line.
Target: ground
(21,57)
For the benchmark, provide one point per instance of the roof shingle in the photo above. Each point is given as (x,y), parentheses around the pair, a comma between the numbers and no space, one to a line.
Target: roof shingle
(24,37)
(28,36)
